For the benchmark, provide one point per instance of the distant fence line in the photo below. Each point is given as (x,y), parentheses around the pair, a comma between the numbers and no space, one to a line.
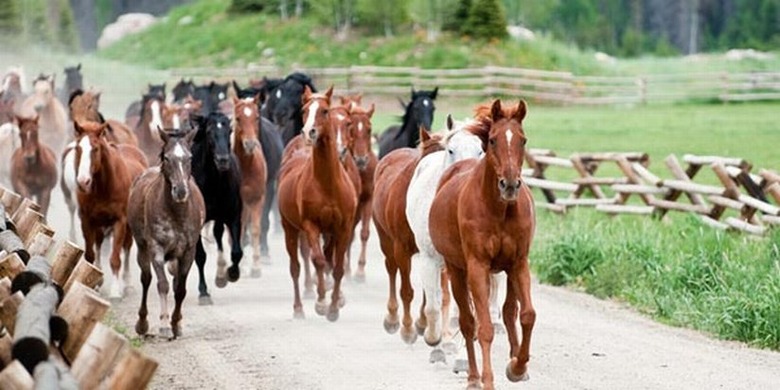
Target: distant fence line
(561,88)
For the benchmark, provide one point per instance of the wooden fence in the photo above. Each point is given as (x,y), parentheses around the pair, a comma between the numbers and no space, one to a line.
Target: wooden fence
(37,283)
(561,88)
(742,200)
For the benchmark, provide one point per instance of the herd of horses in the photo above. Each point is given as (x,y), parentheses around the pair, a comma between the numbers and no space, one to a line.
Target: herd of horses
(452,202)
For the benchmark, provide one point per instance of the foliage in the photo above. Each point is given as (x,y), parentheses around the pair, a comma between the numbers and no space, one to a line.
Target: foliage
(682,273)
(486,20)
(238,6)
(459,19)
(382,17)
(10,17)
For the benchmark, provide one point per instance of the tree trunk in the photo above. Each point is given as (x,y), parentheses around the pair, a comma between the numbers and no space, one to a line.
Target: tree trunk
(298,8)
(283,9)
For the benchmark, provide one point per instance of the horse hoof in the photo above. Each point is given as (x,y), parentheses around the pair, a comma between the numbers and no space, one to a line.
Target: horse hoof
(474,385)
(233,273)
(511,376)
(333,315)
(437,356)
(391,327)
(342,300)
(220,282)
(449,348)
(166,333)
(321,308)
(408,335)
(309,294)
(420,326)
(177,331)
(461,365)
(142,327)
(432,341)
(298,314)
(256,273)
(204,300)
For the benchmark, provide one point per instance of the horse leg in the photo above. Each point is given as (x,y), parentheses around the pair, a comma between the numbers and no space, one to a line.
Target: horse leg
(318,259)
(461,294)
(291,236)
(496,282)
(360,274)
(72,210)
(308,282)
(509,314)
(431,278)
(44,198)
(236,253)
(162,292)
(265,223)
(120,233)
(200,259)
(183,266)
(408,334)
(126,246)
(391,322)
(220,280)
(448,346)
(479,284)
(339,244)
(517,370)
(255,215)
(144,263)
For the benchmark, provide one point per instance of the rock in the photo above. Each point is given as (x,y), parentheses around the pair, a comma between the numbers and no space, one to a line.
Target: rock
(520,33)
(185,20)
(749,54)
(605,58)
(125,25)
(268,52)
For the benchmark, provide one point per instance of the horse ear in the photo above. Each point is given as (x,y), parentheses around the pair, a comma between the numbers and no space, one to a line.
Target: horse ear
(450,123)
(495,110)
(435,92)
(236,87)
(329,92)
(163,134)
(424,135)
(235,100)
(522,110)
(306,93)
(102,129)
(256,99)
(344,100)
(358,99)
(370,112)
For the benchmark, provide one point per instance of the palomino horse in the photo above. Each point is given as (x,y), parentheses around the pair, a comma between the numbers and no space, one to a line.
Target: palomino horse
(218,176)
(458,145)
(9,132)
(251,160)
(482,221)
(317,200)
(165,212)
(85,106)
(396,239)
(418,113)
(33,166)
(52,117)
(104,176)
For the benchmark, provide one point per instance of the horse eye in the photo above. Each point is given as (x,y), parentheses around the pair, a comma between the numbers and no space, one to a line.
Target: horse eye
(450,151)
(492,142)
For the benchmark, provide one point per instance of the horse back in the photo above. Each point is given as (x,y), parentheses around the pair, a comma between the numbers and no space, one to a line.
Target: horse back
(388,140)
(393,175)
(120,133)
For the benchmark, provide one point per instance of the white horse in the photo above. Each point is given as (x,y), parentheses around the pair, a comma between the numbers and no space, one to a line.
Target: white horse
(459,145)
(9,141)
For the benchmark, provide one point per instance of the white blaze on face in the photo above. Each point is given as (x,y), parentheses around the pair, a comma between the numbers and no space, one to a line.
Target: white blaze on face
(84,172)
(176,122)
(339,141)
(360,127)
(221,96)
(247,112)
(278,93)
(309,123)
(426,103)
(178,152)
(156,121)
(509,141)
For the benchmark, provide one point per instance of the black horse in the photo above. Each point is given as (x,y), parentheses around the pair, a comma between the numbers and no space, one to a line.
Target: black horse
(218,177)
(273,149)
(418,113)
(211,95)
(74,81)
(182,89)
(283,104)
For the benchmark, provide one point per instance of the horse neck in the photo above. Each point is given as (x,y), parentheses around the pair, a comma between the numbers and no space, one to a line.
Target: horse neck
(240,151)
(486,178)
(106,178)
(325,159)
(411,130)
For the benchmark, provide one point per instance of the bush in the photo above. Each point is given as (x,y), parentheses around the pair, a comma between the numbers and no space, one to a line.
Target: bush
(10,18)
(486,20)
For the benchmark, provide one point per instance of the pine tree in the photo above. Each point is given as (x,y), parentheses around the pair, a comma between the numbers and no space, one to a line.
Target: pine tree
(486,20)
(10,18)
(459,19)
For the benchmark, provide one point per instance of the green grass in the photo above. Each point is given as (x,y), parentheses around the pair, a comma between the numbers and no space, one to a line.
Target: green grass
(681,273)
(112,321)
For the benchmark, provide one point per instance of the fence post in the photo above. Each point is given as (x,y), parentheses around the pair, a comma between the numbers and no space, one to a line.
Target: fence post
(642,84)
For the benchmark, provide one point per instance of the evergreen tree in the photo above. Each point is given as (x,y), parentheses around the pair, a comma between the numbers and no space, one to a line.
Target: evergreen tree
(486,20)
(459,19)
(10,18)
(67,36)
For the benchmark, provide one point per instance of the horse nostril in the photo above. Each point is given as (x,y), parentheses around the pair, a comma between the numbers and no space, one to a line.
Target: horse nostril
(502,184)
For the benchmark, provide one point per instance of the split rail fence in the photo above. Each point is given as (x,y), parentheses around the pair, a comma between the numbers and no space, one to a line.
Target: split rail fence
(51,335)
(742,200)
(541,86)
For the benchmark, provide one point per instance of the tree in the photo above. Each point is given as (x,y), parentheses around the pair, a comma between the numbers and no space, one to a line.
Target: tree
(383,16)
(10,17)
(486,20)
(458,20)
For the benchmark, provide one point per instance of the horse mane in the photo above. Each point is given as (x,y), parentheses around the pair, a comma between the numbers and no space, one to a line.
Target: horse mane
(41,77)
(302,79)
(74,95)
(483,120)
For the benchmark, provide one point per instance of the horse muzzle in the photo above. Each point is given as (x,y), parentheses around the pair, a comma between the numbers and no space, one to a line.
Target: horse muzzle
(222,163)
(361,162)
(85,185)
(311,135)
(509,189)
(29,159)
(180,194)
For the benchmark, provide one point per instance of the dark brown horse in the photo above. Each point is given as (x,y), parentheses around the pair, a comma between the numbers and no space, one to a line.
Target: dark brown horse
(146,131)
(165,213)
(393,174)
(85,106)
(33,166)
(249,154)
(482,221)
(317,199)
(104,175)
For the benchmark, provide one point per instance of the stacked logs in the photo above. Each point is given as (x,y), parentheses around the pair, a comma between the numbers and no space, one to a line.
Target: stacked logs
(50,313)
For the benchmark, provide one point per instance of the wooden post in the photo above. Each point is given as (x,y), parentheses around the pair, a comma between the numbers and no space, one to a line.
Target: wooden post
(6,343)
(11,201)
(11,266)
(84,273)
(82,308)
(15,377)
(25,222)
(5,288)
(134,371)
(8,309)
(97,356)
(65,262)
(26,204)
(40,240)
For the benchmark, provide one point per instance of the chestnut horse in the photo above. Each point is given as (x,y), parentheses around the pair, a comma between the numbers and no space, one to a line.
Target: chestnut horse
(165,212)
(251,160)
(104,176)
(482,221)
(85,105)
(393,174)
(52,117)
(146,131)
(318,200)
(33,166)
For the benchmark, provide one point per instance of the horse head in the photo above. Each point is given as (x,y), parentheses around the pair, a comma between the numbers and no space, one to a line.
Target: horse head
(217,95)
(176,161)
(151,113)
(91,147)
(202,94)
(28,132)
(73,78)
(214,131)
(246,118)
(315,114)
(419,111)
(182,89)
(157,90)
(460,144)
(361,135)
(505,141)
(43,92)
(84,105)
(341,122)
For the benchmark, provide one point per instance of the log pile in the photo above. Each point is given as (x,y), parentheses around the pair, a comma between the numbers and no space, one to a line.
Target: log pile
(51,335)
